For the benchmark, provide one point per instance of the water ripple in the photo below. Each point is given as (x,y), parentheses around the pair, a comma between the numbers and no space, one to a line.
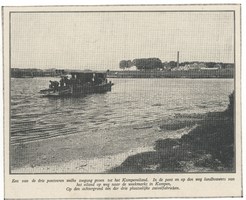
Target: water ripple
(131,101)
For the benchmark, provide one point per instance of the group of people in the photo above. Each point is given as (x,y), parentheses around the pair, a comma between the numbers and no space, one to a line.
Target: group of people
(55,84)
(64,81)
(76,80)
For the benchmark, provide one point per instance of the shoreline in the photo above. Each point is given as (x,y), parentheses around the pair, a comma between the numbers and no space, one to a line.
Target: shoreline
(71,153)
(208,147)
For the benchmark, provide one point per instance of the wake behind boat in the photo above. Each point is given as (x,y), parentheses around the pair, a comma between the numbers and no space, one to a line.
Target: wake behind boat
(81,82)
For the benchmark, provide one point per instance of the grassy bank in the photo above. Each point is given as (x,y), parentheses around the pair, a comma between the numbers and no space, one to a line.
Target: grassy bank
(208,147)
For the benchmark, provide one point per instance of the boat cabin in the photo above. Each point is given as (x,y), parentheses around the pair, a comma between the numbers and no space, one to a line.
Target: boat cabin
(94,77)
(74,82)
(82,77)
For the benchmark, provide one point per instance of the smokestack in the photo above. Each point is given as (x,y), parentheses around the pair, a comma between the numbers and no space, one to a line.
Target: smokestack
(178,59)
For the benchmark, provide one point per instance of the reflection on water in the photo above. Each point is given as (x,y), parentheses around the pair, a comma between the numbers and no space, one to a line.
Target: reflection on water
(131,101)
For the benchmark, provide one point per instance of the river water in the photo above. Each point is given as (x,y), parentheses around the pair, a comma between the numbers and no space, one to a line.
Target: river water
(131,101)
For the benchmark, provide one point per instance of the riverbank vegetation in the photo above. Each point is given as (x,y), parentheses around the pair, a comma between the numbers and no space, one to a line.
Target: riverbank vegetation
(209,147)
(157,64)
(155,68)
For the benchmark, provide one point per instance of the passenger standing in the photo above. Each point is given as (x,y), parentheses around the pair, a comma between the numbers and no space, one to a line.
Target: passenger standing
(72,80)
(51,84)
(66,81)
(56,85)
(62,82)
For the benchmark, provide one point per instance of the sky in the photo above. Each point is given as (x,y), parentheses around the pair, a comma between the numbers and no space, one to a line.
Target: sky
(100,40)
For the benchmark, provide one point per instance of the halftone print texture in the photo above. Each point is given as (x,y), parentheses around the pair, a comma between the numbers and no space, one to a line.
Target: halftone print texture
(122,92)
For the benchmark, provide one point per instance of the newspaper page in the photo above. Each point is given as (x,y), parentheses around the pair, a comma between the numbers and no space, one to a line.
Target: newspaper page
(122,101)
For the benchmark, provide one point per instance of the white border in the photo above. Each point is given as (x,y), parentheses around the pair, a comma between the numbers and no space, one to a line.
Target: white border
(123,2)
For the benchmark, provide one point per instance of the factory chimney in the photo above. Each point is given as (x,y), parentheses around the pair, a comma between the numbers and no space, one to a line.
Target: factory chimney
(177,59)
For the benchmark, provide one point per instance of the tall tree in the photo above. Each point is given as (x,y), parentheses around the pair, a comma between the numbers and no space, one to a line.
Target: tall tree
(173,64)
(129,64)
(123,64)
(147,63)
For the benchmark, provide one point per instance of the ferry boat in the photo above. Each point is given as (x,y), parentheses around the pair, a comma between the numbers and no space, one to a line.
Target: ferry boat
(80,82)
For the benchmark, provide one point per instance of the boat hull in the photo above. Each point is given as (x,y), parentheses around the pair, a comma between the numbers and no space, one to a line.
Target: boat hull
(77,90)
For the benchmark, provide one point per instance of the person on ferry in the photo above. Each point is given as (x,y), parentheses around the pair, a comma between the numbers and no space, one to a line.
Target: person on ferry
(72,79)
(62,82)
(51,84)
(56,85)
(66,81)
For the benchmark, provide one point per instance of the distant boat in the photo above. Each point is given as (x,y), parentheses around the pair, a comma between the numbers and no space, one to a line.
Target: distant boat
(82,82)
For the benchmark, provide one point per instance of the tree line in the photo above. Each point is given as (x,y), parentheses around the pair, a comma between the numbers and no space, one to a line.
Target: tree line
(141,64)
(156,63)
